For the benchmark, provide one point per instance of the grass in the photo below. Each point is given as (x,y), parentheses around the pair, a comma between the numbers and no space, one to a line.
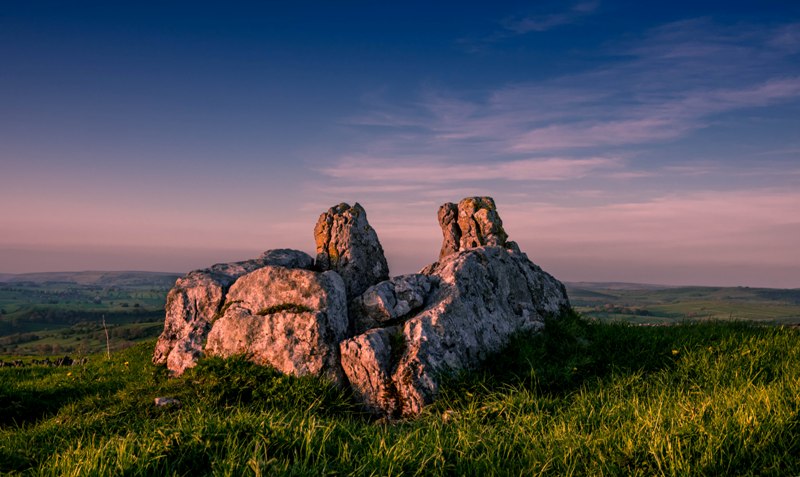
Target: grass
(583,398)
(284,308)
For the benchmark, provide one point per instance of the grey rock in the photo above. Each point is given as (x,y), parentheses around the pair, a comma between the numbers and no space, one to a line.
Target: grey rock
(286,257)
(347,244)
(167,401)
(389,301)
(485,296)
(290,319)
(451,232)
(368,361)
(474,222)
(195,300)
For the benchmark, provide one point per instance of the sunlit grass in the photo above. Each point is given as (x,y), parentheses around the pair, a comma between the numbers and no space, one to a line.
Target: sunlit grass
(581,399)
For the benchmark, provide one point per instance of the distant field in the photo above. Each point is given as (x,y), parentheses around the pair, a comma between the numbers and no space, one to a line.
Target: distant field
(651,304)
(63,313)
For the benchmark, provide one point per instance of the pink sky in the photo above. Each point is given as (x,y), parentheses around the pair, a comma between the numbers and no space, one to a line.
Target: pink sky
(646,142)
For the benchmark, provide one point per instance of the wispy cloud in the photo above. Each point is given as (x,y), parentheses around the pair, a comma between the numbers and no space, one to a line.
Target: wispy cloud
(673,81)
(432,170)
(544,22)
(547,17)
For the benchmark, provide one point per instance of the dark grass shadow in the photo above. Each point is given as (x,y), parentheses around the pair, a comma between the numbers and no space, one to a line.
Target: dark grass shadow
(573,352)
(19,407)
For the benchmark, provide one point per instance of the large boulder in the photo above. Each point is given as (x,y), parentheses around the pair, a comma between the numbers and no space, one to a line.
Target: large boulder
(290,319)
(347,244)
(195,300)
(413,330)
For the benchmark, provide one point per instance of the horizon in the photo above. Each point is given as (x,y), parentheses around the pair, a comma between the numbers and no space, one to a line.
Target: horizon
(652,144)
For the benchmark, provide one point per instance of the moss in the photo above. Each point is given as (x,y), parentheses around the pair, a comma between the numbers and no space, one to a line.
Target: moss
(284,308)
(397,346)
(219,314)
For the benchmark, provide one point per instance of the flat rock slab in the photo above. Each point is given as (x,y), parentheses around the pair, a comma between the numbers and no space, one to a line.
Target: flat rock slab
(347,244)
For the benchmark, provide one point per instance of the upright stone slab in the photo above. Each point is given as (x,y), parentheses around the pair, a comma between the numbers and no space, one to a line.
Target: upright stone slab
(347,244)
(474,222)
(451,232)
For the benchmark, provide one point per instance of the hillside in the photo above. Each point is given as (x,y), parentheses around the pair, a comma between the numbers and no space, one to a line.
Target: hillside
(654,304)
(98,278)
(63,312)
(584,398)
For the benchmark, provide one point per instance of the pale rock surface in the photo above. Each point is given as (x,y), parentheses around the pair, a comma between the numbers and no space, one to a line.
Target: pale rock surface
(347,244)
(485,295)
(474,222)
(290,319)
(194,301)
(448,221)
(368,361)
(389,301)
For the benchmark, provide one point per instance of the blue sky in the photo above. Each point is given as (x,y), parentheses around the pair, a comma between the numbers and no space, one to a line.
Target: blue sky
(621,140)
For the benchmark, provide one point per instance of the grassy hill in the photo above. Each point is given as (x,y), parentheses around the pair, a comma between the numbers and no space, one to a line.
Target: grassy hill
(583,398)
(653,304)
(56,313)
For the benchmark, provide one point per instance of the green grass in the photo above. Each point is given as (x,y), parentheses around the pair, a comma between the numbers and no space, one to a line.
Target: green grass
(583,398)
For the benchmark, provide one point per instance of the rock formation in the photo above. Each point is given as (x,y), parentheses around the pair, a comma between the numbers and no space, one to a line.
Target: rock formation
(448,220)
(474,222)
(391,340)
(347,244)
(194,301)
(484,296)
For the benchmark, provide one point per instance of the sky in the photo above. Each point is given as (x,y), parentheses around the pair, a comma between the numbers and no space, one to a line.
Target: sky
(651,142)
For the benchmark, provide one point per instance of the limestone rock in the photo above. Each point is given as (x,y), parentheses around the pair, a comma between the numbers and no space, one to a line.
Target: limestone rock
(286,257)
(166,401)
(485,296)
(389,301)
(347,244)
(474,222)
(369,360)
(194,301)
(448,220)
(340,317)
(291,319)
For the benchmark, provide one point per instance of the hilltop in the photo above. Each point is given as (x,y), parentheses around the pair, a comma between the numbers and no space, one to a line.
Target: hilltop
(94,277)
